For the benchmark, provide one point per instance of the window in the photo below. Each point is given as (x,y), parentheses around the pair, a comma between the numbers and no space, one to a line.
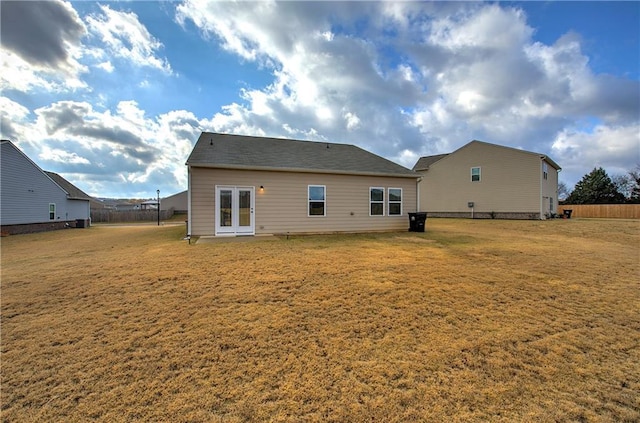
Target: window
(475,174)
(317,200)
(52,211)
(395,202)
(376,201)
(545,170)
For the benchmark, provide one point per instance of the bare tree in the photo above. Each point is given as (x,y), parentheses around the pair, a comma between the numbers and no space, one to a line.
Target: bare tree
(623,183)
(563,191)
(634,195)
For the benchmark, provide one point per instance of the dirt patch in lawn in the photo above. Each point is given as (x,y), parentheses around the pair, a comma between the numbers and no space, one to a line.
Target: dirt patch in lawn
(469,321)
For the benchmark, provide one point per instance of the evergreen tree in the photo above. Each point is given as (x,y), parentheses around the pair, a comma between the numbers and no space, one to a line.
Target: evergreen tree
(595,188)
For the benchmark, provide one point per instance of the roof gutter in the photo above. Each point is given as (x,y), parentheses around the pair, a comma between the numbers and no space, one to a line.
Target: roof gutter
(414,175)
(551,162)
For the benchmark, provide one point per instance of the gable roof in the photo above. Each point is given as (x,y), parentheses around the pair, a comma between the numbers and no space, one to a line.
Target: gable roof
(423,163)
(539,155)
(228,151)
(73,192)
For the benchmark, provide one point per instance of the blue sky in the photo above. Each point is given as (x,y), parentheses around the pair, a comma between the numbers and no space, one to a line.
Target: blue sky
(113,95)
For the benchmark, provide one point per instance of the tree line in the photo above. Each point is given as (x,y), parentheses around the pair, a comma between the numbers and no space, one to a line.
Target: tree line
(596,187)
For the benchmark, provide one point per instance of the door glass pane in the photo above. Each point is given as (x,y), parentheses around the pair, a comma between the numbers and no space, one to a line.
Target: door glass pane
(225,207)
(244,198)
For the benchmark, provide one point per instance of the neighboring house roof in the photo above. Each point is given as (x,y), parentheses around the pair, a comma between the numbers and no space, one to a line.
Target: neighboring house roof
(257,153)
(423,163)
(176,196)
(73,192)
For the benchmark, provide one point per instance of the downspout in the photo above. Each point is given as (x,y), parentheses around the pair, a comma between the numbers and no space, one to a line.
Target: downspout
(418,180)
(189,201)
(540,182)
(557,193)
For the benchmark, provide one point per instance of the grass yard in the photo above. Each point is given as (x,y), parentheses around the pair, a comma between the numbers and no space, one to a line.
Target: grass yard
(481,320)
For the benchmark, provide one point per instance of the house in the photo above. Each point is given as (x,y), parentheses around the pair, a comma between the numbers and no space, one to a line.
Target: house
(148,205)
(177,202)
(32,200)
(244,185)
(482,180)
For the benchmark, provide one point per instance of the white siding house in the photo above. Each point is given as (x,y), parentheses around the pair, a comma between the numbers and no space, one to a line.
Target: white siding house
(33,200)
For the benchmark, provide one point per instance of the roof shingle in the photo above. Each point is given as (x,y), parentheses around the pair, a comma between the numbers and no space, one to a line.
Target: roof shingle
(260,153)
(423,163)
(74,192)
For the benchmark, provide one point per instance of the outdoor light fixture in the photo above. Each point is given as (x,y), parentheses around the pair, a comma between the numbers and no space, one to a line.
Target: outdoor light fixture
(158,205)
(261,188)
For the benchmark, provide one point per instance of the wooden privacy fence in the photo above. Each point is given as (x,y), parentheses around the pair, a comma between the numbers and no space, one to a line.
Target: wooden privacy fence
(616,211)
(114,216)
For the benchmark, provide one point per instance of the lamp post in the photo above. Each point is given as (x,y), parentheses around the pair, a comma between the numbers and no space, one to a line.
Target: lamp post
(158,205)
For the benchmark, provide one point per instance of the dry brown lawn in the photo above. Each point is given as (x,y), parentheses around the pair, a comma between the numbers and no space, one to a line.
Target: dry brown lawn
(471,321)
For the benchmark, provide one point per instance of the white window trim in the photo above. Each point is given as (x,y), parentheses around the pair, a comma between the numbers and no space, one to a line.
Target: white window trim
(54,211)
(389,202)
(324,187)
(479,174)
(377,202)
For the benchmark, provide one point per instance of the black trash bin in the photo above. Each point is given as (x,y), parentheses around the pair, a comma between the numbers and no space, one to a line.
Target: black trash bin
(567,213)
(417,221)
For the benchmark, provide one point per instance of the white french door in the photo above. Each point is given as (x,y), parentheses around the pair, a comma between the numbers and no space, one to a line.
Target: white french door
(234,210)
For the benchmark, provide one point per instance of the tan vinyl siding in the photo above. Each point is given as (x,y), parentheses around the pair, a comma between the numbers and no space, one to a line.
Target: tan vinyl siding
(177,202)
(282,207)
(550,189)
(510,181)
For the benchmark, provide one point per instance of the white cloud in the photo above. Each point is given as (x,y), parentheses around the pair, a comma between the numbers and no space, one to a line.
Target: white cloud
(12,111)
(45,48)
(19,75)
(108,152)
(61,156)
(124,36)
(485,27)
(457,72)
(325,83)
(16,126)
(106,66)
(401,79)
(41,47)
(352,120)
(616,149)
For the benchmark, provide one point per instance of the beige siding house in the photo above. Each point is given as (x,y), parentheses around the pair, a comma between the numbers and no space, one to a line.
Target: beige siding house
(240,185)
(177,202)
(482,180)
